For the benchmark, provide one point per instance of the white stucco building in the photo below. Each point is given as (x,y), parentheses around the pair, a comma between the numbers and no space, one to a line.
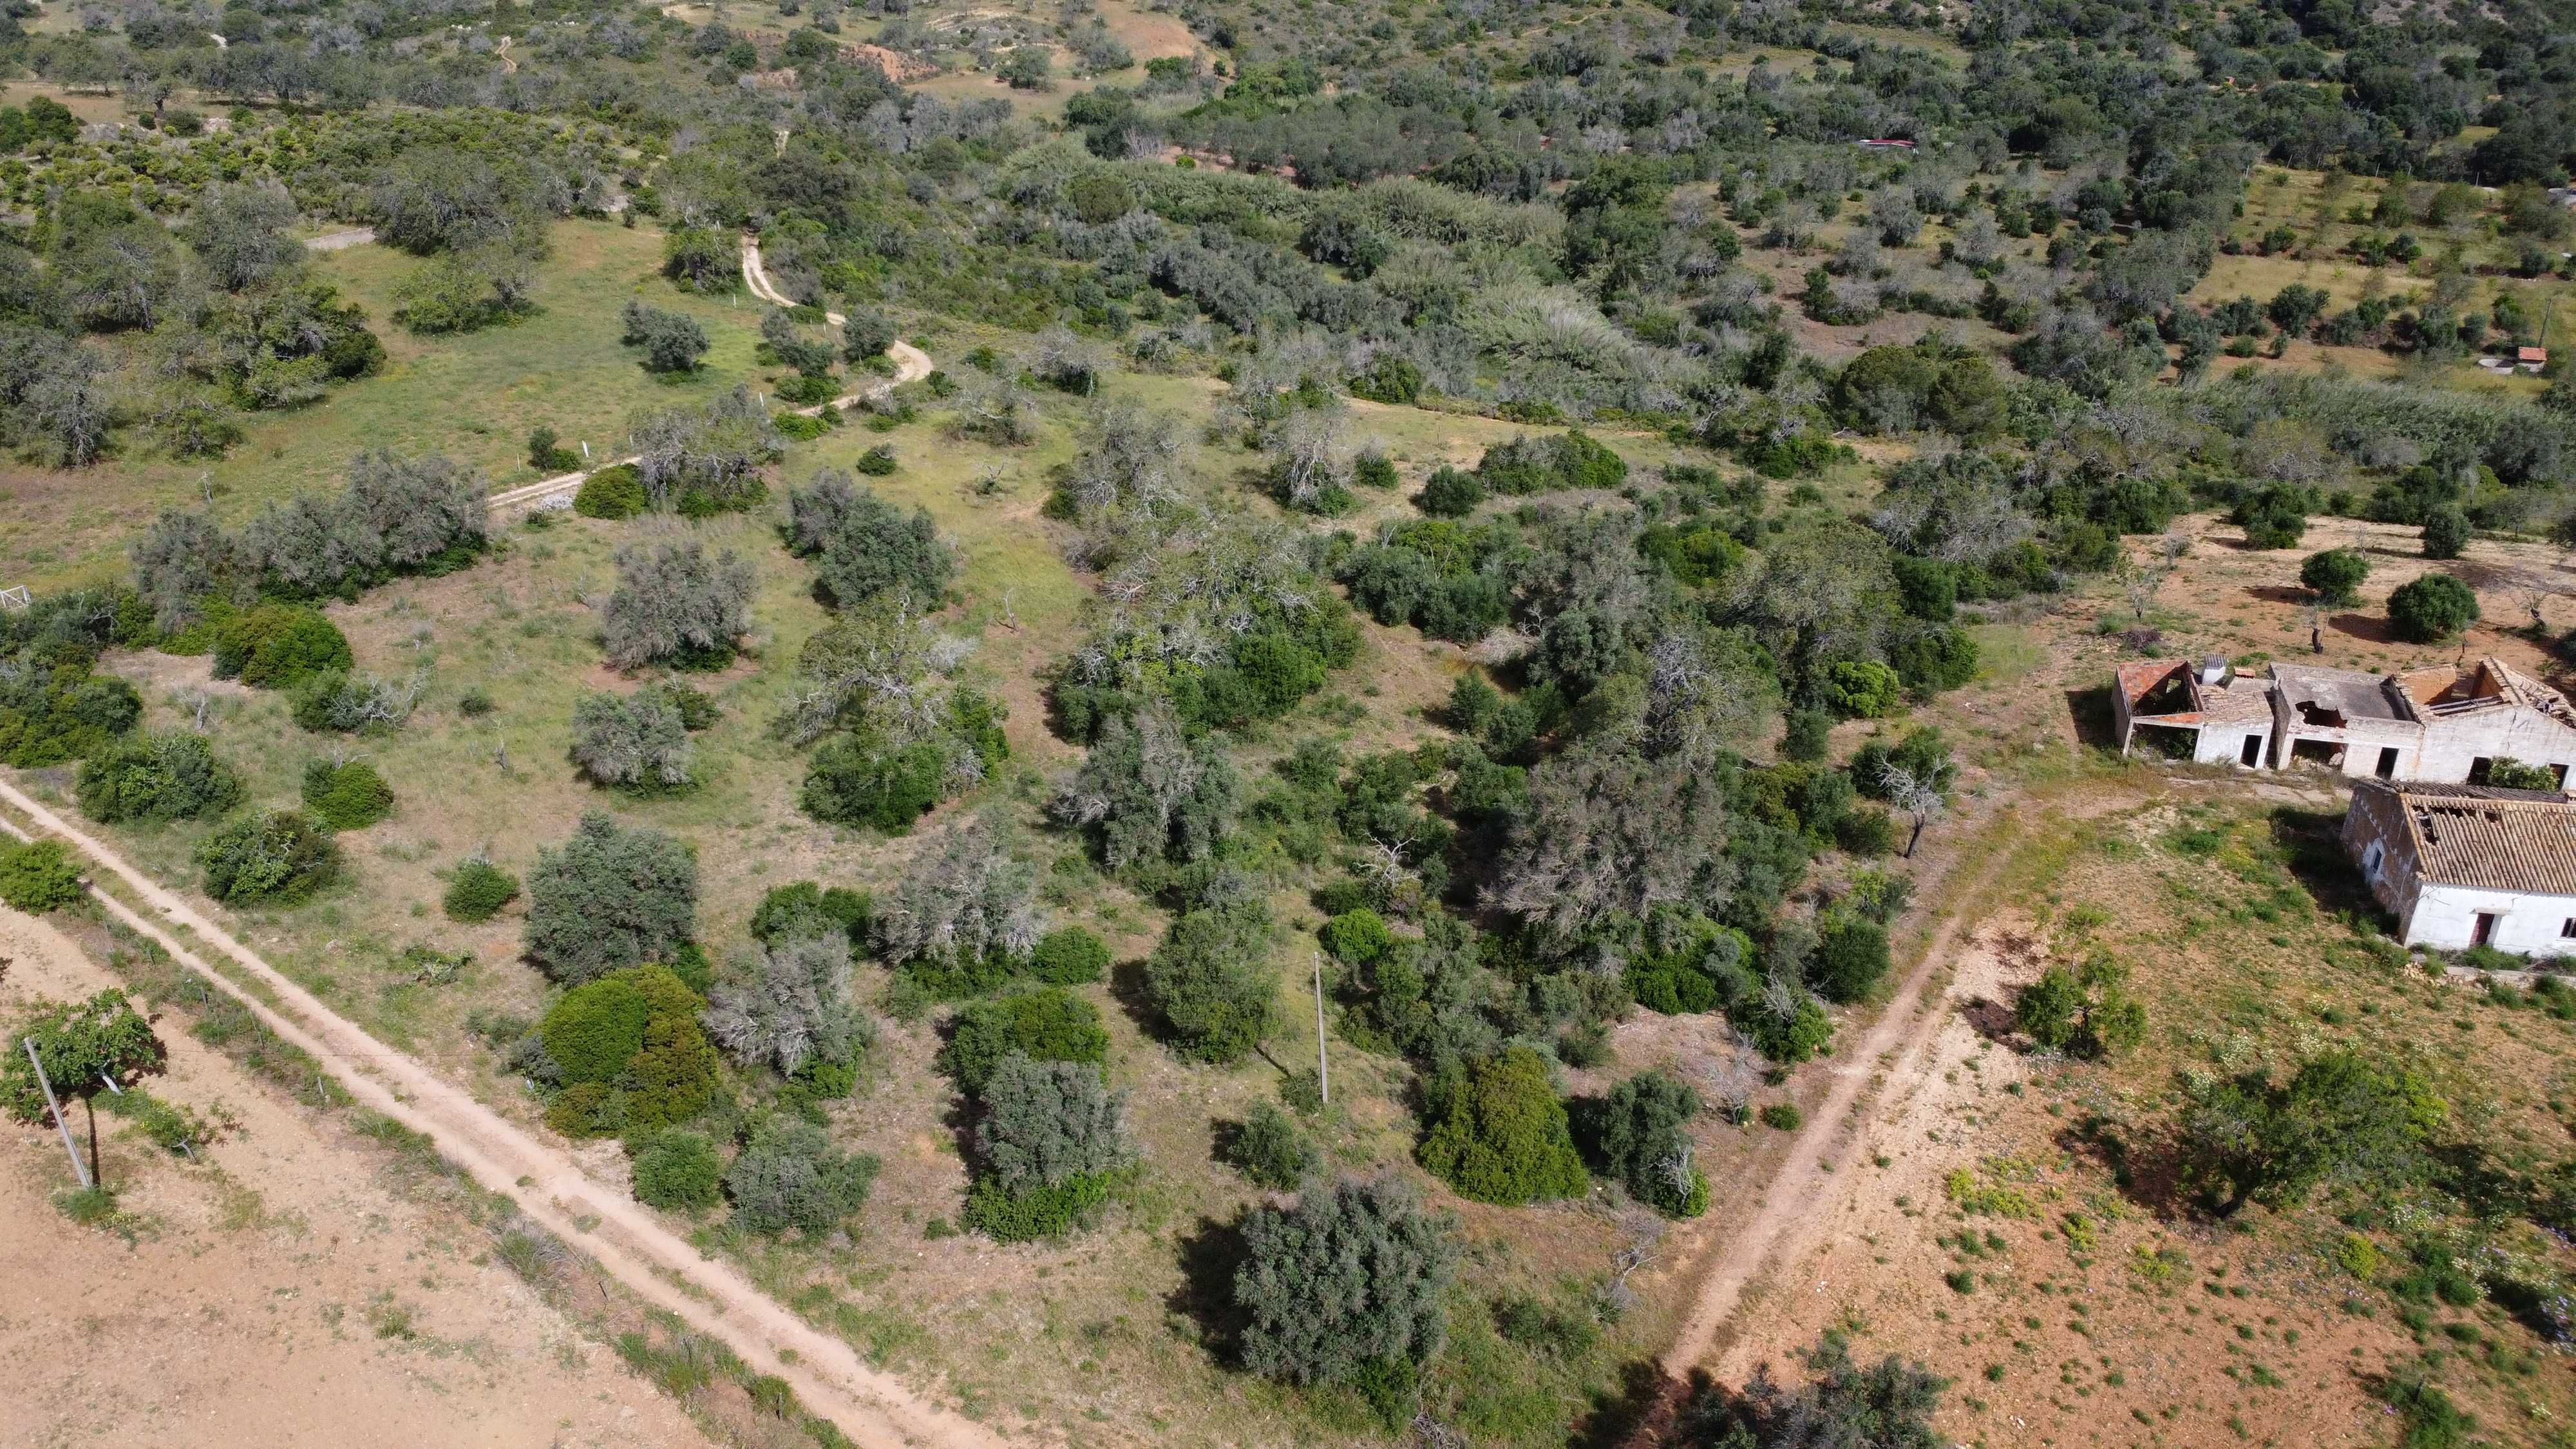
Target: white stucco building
(2446,726)
(2461,865)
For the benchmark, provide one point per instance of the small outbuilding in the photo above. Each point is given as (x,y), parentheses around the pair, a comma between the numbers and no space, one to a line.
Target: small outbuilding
(2467,865)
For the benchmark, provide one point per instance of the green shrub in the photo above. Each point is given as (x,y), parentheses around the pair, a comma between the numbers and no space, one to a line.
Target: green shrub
(805,908)
(1641,1136)
(1069,956)
(1783,1116)
(2336,575)
(2274,516)
(676,1171)
(616,492)
(789,1177)
(278,857)
(1499,1134)
(1267,1148)
(1862,688)
(349,796)
(278,646)
(1449,493)
(2507,773)
(1211,983)
(632,1038)
(478,891)
(38,876)
(1046,1025)
(1851,959)
(855,780)
(2432,608)
(2446,533)
(156,777)
(1809,734)
(1789,1039)
(1356,937)
(1868,833)
(597,1026)
(1045,1211)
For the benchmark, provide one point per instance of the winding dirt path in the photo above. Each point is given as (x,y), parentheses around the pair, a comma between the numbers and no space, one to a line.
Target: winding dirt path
(911,364)
(628,1242)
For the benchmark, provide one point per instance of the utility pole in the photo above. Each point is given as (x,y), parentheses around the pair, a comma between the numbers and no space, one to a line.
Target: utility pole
(1323,1068)
(63,1124)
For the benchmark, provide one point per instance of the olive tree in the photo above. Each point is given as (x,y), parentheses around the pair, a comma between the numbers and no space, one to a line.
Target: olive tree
(1046,1123)
(634,740)
(788,1002)
(865,547)
(1350,1279)
(610,898)
(1148,792)
(672,601)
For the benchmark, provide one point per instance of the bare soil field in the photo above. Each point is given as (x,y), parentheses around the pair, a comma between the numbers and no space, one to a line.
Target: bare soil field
(277,1290)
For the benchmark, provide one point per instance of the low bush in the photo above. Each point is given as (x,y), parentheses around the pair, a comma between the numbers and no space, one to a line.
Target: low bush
(2432,608)
(1851,959)
(1046,1025)
(1449,493)
(279,857)
(1210,982)
(278,646)
(1640,1136)
(676,1171)
(630,1053)
(1499,1134)
(1783,1116)
(789,1178)
(1069,956)
(478,891)
(38,876)
(1267,1148)
(805,908)
(616,492)
(349,796)
(856,780)
(156,777)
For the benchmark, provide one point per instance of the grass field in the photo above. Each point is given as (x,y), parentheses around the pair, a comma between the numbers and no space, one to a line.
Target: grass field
(474,397)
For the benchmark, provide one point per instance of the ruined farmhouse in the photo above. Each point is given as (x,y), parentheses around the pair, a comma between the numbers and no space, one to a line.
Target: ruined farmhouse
(2444,726)
(2463,866)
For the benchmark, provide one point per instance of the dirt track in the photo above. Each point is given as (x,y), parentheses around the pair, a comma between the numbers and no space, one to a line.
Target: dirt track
(626,1240)
(911,364)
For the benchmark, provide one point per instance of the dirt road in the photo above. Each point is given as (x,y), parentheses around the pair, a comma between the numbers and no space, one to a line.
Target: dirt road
(627,1241)
(911,364)
(278,1290)
(1787,1223)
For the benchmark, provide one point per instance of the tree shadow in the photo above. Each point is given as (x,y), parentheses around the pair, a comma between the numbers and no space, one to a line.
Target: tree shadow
(2280,594)
(1127,988)
(2095,725)
(1992,1020)
(2364,627)
(1644,1410)
(1205,1295)
(2153,1174)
